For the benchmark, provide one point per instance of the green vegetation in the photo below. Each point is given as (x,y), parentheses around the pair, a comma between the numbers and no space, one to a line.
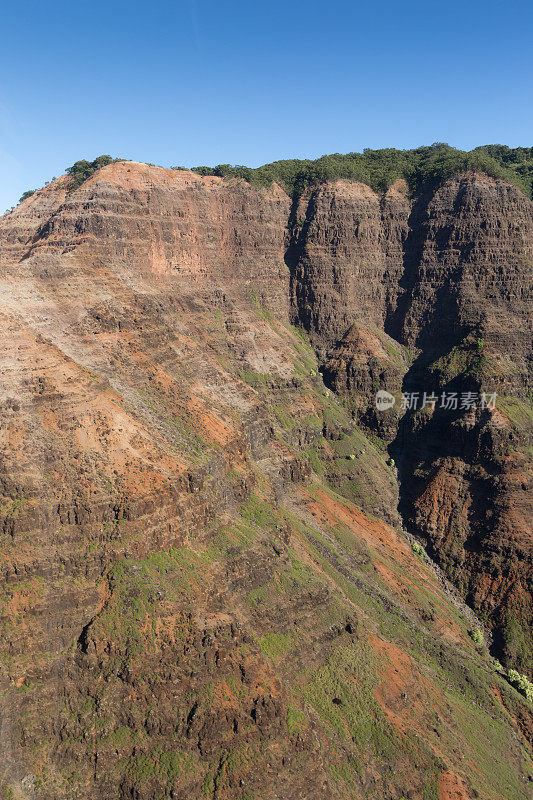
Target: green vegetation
(275,645)
(521,683)
(516,644)
(27,194)
(518,160)
(418,549)
(467,358)
(137,588)
(82,170)
(342,693)
(486,737)
(296,720)
(477,637)
(423,168)
(165,767)
(256,380)
(519,411)
(258,512)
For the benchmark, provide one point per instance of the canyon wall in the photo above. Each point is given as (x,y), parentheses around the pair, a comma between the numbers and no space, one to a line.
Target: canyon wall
(205,592)
(435,296)
(199,233)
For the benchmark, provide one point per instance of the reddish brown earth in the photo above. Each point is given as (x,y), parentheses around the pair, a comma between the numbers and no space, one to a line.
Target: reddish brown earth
(204,594)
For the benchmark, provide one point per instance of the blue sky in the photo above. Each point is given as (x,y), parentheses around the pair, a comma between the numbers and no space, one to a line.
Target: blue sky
(202,82)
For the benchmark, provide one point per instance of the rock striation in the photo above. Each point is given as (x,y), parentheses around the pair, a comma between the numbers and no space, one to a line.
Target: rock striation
(205,588)
(435,296)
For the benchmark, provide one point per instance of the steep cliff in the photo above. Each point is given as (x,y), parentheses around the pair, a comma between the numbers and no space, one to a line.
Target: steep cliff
(203,590)
(435,296)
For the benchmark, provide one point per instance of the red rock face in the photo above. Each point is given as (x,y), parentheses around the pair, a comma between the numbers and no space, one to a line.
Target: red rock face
(347,256)
(192,605)
(173,226)
(449,279)
(470,316)
(475,270)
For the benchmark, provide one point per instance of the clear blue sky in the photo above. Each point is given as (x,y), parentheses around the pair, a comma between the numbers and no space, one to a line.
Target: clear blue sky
(203,82)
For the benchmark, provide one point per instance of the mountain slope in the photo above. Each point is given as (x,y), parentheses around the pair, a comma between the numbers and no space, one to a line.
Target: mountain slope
(206,591)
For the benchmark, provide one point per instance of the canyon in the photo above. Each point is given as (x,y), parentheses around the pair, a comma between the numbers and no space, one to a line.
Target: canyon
(213,584)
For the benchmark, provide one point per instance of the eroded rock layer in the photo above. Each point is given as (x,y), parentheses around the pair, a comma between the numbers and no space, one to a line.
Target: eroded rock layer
(205,593)
(435,296)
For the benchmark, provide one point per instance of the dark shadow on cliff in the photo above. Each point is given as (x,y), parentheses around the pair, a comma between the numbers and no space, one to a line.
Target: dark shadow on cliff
(412,253)
(301,302)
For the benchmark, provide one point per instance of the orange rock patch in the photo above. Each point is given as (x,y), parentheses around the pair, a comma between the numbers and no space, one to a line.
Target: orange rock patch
(452,787)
